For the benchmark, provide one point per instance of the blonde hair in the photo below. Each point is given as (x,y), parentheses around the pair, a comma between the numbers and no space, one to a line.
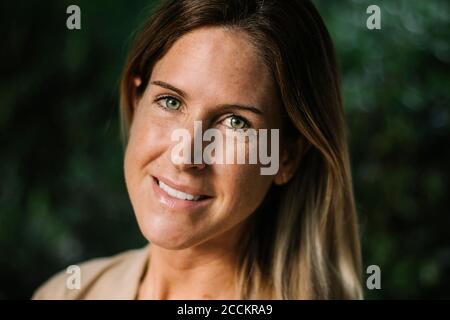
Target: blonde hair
(303,240)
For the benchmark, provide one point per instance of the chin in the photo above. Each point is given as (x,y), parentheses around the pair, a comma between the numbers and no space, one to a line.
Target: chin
(169,235)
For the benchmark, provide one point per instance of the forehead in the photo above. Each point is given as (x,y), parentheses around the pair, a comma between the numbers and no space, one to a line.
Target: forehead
(215,62)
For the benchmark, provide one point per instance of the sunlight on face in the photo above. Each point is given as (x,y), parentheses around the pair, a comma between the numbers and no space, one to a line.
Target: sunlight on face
(214,76)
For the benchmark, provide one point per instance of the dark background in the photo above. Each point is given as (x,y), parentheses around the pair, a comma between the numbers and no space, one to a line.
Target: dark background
(62,193)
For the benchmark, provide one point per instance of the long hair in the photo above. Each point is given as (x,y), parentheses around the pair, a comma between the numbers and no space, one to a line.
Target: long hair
(303,241)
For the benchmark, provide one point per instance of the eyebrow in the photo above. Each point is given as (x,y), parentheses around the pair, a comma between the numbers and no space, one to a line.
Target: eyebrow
(170,87)
(222,106)
(227,107)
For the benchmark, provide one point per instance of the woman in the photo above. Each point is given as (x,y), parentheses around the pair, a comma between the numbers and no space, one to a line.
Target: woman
(226,231)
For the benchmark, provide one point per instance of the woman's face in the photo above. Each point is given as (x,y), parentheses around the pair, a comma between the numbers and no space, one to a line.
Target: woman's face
(216,70)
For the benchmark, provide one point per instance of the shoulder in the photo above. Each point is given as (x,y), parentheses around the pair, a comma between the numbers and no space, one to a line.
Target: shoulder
(115,277)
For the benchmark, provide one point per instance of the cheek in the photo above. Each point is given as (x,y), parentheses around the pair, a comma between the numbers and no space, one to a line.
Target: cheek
(244,187)
(147,140)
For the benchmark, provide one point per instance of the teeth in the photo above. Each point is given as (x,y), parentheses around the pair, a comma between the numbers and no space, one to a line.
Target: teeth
(176,193)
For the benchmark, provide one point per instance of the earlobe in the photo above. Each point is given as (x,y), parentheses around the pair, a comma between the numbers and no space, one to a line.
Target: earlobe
(280,178)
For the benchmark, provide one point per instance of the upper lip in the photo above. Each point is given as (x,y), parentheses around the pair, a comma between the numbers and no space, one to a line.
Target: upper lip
(189,189)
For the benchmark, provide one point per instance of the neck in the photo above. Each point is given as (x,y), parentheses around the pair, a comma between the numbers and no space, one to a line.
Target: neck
(204,271)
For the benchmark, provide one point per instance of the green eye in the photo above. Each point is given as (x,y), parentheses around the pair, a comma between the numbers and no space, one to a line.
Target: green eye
(236,122)
(170,103)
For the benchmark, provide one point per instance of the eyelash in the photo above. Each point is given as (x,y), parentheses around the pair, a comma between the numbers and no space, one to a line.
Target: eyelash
(158,99)
(246,122)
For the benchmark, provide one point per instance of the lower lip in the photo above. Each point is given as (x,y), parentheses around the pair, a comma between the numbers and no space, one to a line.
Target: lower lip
(175,203)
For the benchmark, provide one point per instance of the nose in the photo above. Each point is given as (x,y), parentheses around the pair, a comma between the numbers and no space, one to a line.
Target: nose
(187,150)
(185,167)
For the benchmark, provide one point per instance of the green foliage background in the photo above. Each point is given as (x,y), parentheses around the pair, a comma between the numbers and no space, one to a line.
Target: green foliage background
(62,194)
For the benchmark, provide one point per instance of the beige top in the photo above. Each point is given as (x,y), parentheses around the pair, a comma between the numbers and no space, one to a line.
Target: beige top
(111,278)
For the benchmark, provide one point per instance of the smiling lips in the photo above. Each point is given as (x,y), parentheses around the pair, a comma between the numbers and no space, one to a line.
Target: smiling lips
(178,196)
(177,193)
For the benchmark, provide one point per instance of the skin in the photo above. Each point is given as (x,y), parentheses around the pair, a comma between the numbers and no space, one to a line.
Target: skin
(193,254)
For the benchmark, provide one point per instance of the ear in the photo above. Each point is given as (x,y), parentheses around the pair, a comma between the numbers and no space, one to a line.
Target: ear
(290,159)
(137,81)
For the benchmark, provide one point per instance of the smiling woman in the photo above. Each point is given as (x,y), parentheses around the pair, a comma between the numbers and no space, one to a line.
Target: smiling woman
(226,231)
